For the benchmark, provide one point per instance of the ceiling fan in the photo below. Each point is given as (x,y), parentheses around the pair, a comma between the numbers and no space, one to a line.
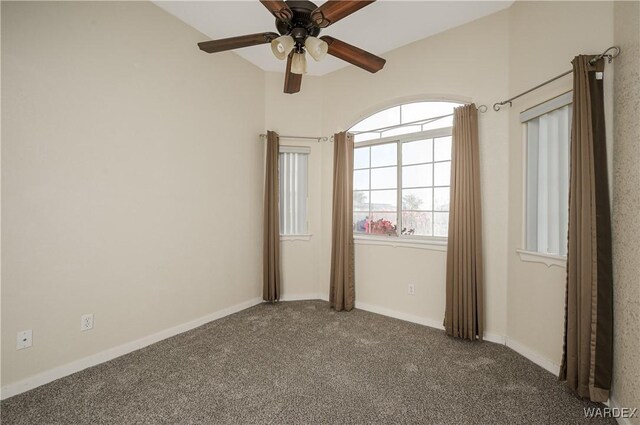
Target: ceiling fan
(299,23)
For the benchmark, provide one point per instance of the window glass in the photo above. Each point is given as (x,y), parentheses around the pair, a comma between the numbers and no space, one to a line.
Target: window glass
(442,173)
(417,223)
(441,199)
(440,224)
(422,110)
(361,200)
(381,119)
(417,152)
(383,155)
(361,179)
(384,178)
(384,200)
(442,148)
(439,123)
(417,175)
(363,137)
(417,199)
(361,158)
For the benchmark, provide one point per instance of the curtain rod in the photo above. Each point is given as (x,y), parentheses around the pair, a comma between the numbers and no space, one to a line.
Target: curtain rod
(497,105)
(481,109)
(319,139)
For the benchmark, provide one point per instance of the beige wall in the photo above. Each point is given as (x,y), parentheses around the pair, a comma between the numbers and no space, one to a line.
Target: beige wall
(626,204)
(129,178)
(535,291)
(300,115)
(468,63)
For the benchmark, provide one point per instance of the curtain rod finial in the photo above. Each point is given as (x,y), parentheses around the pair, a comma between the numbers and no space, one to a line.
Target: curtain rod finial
(605,55)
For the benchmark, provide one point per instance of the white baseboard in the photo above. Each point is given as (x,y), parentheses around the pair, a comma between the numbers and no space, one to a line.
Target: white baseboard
(425,321)
(495,338)
(76,366)
(535,357)
(614,404)
(61,371)
(300,297)
(400,315)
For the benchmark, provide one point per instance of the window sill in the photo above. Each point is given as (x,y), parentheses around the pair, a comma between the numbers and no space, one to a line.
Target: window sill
(398,242)
(295,237)
(538,257)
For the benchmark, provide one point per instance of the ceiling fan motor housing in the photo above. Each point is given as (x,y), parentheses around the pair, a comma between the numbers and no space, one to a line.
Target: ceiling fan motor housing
(301,26)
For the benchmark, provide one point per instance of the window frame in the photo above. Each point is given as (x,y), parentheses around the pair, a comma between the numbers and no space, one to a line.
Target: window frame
(552,104)
(437,243)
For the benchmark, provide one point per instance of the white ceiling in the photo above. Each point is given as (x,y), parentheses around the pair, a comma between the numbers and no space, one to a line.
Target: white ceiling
(378,28)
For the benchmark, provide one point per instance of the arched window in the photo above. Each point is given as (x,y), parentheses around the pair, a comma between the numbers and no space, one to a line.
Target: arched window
(402,171)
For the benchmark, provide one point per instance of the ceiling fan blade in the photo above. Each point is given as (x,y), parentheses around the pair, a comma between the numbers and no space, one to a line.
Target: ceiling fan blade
(334,10)
(221,45)
(292,82)
(279,9)
(354,55)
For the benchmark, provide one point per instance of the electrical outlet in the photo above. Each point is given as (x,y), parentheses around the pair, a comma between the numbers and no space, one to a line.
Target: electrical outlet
(24,339)
(411,290)
(86,322)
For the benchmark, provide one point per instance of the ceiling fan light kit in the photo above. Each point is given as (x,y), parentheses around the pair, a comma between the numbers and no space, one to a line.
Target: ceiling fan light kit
(299,63)
(299,23)
(316,48)
(282,46)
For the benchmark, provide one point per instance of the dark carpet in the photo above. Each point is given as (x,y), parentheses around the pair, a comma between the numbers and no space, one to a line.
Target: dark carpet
(302,363)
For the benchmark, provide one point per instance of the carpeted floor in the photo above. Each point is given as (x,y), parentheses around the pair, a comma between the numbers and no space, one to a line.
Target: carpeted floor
(302,363)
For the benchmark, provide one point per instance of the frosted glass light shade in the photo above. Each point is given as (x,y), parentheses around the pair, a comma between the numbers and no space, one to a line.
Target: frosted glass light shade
(316,48)
(282,46)
(299,63)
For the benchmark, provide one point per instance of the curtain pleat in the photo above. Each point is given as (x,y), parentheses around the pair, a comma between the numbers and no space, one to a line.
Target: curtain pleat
(464,281)
(271,237)
(342,289)
(588,341)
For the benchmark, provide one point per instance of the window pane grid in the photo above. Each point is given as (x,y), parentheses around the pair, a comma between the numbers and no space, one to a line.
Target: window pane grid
(416,171)
(373,205)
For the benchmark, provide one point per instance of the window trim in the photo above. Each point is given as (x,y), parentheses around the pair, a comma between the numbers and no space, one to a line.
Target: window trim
(296,237)
(550,105)
(536,111)
(437,243)
(539,257)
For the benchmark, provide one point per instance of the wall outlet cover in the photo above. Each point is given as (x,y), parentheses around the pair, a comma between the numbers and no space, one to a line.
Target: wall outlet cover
(24,339)
(86,322)
(411,289)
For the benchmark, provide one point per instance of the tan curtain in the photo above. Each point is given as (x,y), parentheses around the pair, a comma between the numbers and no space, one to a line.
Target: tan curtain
(271,247)
(588,340)
(464,302)
(342,290)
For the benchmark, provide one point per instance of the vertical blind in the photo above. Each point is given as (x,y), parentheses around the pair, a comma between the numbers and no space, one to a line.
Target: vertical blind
(294,164)
(547,181)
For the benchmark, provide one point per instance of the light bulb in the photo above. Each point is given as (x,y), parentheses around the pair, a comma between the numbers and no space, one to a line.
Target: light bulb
(317,48)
